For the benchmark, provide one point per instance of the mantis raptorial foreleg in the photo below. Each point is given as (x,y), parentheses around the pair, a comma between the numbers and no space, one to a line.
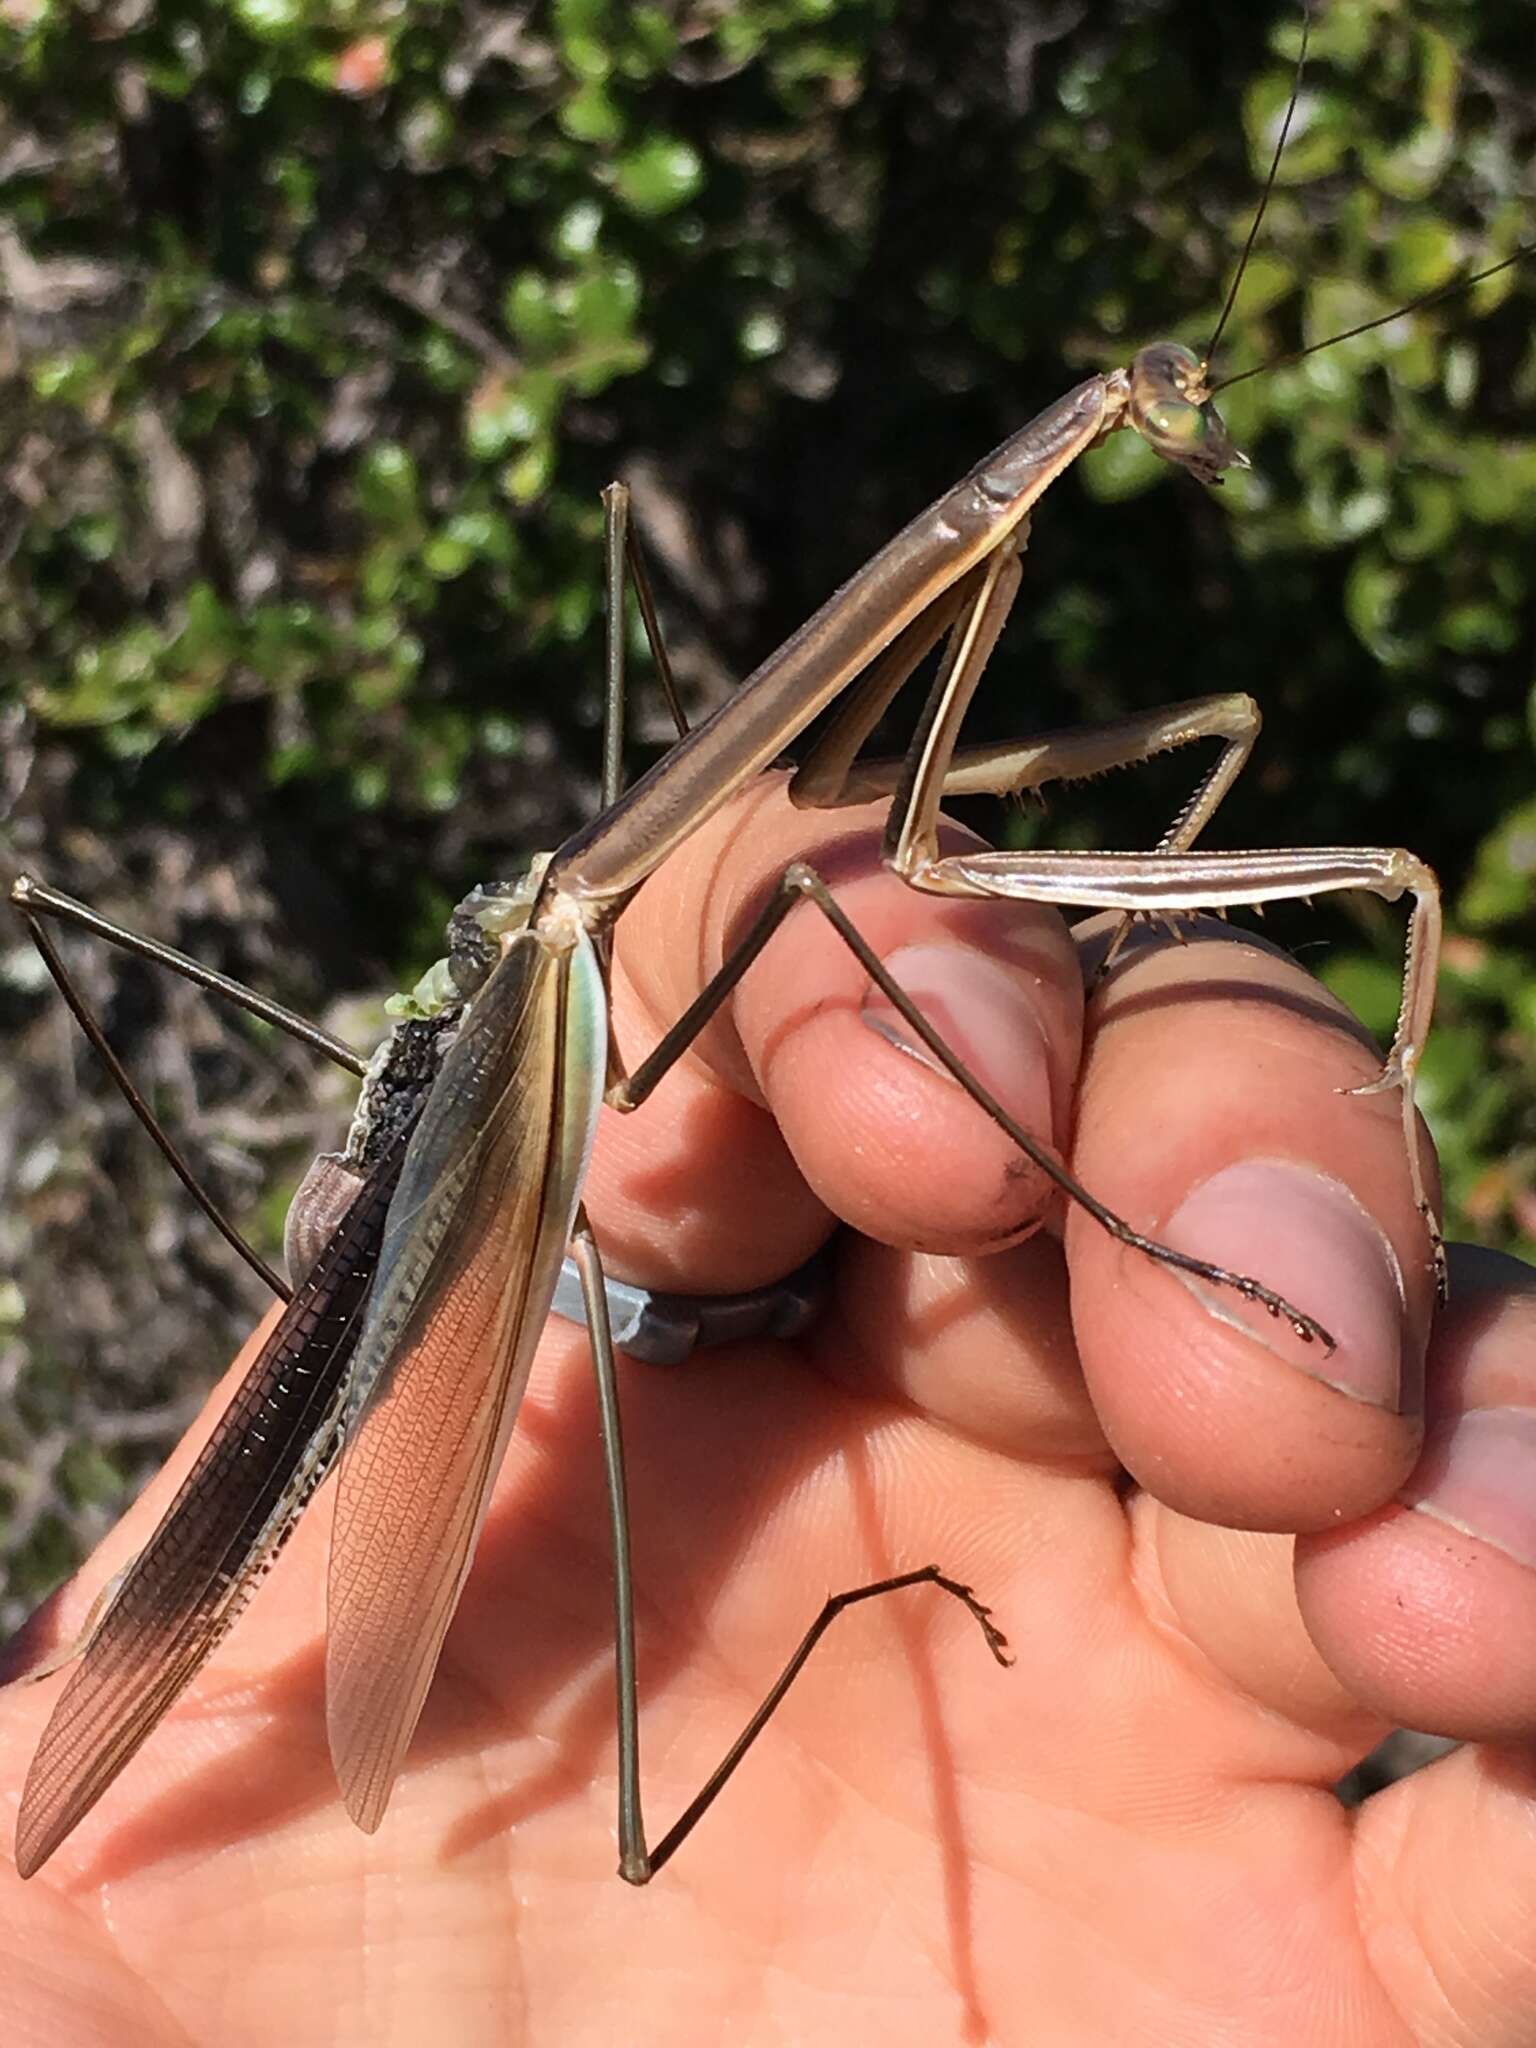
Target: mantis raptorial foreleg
(1077,754)
(1174,879)
(1170,880)
(973,611)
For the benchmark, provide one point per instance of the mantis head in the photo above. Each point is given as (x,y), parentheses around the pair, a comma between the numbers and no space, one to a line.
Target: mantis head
(1170,407)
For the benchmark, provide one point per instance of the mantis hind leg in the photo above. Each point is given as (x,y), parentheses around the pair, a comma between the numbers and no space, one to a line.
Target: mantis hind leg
(638,1864)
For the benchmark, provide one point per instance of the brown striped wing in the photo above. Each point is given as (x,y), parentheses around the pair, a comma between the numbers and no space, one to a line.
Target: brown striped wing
(236,1508)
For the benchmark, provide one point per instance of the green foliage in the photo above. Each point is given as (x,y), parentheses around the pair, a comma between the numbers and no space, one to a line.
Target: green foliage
(327,322)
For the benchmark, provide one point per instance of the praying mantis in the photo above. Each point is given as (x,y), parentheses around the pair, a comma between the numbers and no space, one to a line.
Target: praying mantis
(535,1025)
(512,1109)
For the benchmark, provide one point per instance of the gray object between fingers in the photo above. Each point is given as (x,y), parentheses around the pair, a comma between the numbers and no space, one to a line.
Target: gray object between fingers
(665,1329)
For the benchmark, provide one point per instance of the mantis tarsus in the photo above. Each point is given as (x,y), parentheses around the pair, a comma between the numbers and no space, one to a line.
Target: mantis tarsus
(536,1026)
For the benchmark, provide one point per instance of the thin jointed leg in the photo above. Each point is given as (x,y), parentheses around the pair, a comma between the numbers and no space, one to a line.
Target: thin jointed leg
(637,1864)
(802,883)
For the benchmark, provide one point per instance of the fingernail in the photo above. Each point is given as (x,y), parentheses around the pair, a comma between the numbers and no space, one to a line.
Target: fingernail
(1306,1238)
(982,1012)
(1478,1473)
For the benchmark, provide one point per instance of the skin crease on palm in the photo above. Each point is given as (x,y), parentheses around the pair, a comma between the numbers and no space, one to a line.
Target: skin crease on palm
(1129,1837)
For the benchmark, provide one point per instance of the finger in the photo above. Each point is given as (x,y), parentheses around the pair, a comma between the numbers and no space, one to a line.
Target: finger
(984,1346)
(1230,1594)
(1420,1615)
(800,1101)
(1445,1864)
(1427,1610)
(1211,1116)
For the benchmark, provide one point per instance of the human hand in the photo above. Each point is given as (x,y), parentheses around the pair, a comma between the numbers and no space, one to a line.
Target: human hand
(1130,1836)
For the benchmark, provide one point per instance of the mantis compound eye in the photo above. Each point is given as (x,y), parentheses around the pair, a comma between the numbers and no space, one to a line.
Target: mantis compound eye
(1174,427)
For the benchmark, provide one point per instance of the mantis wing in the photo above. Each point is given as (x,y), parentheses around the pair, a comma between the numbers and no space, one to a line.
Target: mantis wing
(475,1238)
(234,1511)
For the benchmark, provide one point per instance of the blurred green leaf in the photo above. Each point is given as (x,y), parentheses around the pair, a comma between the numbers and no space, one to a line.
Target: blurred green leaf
(388,485)
(1502,883)
(659,176)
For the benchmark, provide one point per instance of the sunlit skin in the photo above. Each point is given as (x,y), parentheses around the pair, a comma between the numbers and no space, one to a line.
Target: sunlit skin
(1129,1835)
